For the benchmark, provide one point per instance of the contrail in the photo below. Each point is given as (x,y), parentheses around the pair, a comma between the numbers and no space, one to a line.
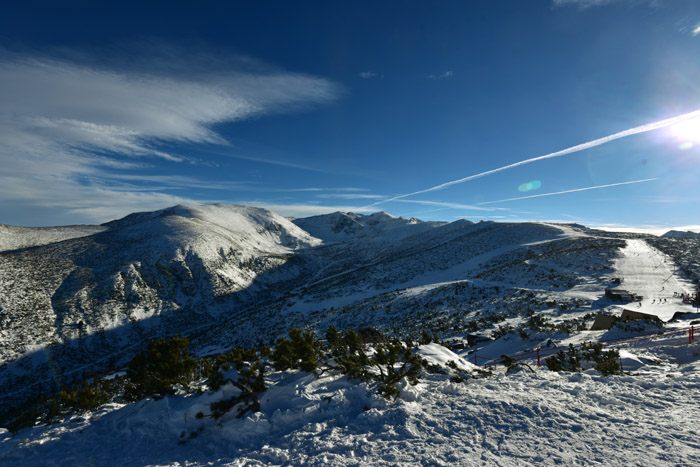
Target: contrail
(473,207)
(579,147)
(568,191)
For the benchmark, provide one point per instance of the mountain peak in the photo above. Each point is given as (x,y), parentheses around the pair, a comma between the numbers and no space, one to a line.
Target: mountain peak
(379,227)
(681,234)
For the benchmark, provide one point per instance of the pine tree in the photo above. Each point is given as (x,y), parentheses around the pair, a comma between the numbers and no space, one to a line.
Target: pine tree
(163,364)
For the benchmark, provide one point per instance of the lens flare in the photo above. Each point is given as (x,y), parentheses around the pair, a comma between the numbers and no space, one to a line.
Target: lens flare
(530,186)
(687,131)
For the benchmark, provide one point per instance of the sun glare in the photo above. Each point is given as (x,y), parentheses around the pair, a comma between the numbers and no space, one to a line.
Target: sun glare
(687,131)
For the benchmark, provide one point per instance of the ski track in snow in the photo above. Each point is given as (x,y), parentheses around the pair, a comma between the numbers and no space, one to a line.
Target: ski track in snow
(649,273)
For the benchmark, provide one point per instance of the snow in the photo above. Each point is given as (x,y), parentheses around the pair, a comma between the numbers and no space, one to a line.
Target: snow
(379,227)
(390,273)
(439,355)
(649,273)
(13,238)
(520,418)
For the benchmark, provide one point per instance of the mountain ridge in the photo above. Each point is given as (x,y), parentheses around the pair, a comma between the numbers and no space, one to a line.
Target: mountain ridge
(681,234)
(240,275)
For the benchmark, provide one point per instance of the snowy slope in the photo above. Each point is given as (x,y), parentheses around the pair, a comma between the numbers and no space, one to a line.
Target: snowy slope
(99,297)
(141,266)
(649,273)
(261,225)
(228,275)
(522,418)
(225,275)
(13,238)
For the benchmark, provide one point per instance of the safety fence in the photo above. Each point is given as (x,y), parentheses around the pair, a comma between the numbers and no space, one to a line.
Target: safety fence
(540,354)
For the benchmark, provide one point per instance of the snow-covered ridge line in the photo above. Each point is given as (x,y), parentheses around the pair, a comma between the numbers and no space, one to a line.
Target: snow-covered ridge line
(15,238)
(680,234)
(227,275)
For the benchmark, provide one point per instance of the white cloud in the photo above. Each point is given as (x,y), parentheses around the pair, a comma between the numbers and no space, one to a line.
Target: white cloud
(447,74)
(696,30)
(370,75)
(349,196)
(582,3)
(65,125)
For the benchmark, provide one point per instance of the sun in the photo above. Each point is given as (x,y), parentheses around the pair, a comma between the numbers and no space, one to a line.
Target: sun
(688,131)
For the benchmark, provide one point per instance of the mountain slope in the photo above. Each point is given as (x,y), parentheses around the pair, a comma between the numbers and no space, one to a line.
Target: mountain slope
(170,271)
(232,275)
(14,238)
(226,275)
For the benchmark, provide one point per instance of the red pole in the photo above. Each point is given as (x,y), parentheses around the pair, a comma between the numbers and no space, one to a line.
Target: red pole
(690,335)
(475,363)
(538,357)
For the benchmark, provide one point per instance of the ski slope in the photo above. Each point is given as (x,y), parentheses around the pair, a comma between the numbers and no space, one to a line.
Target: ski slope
(651,274)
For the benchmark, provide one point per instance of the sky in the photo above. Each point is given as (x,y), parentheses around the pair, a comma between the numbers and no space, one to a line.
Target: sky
(583,111)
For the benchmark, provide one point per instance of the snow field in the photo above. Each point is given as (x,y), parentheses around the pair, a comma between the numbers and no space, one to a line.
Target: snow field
(521,418)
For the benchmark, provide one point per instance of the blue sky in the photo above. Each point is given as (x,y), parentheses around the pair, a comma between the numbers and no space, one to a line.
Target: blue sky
(312,107)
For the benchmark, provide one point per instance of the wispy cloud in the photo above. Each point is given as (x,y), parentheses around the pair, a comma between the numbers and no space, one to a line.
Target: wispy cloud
(447,74)
(541,195)
(349,196)
(370,75)
(446,205)
(304,210)
(696,30)
(172,182)
(228,151)
(571,150)
(584,4)
(64,122)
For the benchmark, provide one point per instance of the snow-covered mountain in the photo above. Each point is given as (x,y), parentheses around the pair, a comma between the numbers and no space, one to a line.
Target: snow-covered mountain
(177,270)
(91,297)
(377,227)
(83,298)
(681,234)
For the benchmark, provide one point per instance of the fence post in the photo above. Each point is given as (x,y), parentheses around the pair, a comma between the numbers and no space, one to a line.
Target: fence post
(538,356)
